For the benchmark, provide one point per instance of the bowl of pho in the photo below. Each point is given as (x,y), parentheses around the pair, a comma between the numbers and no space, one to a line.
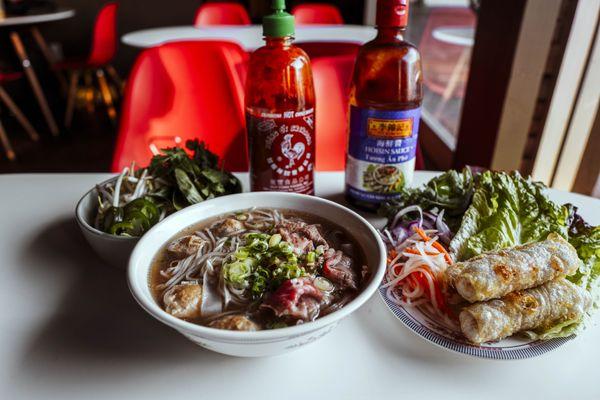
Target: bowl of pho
(257,274)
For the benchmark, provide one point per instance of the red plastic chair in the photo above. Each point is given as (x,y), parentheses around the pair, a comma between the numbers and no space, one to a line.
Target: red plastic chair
(180,91)
(104,47)
(332,77)
(328,49)
(221,14)
(317,13)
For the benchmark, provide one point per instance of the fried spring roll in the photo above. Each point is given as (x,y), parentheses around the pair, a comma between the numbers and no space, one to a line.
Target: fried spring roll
(495,274)
(541,307)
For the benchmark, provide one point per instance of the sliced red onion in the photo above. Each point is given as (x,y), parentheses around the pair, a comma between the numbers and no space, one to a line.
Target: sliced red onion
(405,211)
(417,224)
(429,215)
(443,229)
(400,234)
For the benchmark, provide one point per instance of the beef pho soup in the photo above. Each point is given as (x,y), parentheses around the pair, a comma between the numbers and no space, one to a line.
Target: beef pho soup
(258,269)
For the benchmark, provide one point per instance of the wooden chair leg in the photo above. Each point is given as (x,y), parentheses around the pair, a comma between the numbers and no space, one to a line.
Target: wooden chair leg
(6,144)
(5,97)
(90,91)
(106,95)
(114,75)
(34,82)
(71,98)
(49,56)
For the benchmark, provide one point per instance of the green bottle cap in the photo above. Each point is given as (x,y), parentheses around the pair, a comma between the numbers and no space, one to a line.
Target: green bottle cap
(280,23)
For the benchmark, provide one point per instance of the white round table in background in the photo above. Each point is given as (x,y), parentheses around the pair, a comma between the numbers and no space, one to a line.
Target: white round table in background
(249,37)
(37,17)
(458,35)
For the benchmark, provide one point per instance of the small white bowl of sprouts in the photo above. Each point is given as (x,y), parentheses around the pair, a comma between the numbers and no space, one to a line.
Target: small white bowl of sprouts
(97,206)
(117,212)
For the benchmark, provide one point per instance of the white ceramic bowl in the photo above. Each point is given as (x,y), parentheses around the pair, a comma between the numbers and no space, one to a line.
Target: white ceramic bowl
(267,342)
(112,249)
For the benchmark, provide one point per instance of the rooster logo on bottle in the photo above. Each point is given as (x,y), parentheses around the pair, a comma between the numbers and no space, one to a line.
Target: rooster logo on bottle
(292,153)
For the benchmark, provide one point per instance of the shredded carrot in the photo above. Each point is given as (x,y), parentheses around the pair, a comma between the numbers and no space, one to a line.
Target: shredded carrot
(412,250)
(392,254)
(422,281)
(421,233)
(443,250)
(438,246)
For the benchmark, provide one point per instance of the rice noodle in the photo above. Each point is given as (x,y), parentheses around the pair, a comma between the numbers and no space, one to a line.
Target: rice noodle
(204,267)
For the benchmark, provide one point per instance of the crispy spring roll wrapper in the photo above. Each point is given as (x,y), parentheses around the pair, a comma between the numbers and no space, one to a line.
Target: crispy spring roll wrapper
(541,307)
(495,274)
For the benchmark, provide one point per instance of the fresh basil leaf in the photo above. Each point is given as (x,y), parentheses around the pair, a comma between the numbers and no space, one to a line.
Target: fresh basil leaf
(451,191)
(187,188)
(178,200)
(203,157)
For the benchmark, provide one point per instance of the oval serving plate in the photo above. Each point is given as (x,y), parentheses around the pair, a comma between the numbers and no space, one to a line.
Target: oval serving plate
(434,331)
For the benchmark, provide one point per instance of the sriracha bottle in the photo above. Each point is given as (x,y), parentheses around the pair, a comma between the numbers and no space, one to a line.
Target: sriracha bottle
(280,108)
(385,106)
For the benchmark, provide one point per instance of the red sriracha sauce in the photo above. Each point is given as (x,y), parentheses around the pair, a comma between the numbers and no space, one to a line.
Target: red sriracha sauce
(280,110)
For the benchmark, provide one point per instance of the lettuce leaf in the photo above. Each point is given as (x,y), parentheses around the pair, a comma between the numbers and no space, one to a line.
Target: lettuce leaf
(586,240)
(562,329)
(507,210)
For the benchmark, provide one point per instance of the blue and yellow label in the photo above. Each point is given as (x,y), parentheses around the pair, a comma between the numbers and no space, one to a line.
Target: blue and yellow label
(381,152)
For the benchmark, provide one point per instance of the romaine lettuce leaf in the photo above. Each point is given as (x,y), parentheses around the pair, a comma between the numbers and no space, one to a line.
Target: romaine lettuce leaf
(563,329)
(507,210)
(586,240)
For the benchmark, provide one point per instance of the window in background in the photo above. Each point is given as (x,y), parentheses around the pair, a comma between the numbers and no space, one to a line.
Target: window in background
(444,31)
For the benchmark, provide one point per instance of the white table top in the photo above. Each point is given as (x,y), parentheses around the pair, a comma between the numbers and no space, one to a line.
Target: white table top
(37,18)
(461,36)
(249,37)
(69,329)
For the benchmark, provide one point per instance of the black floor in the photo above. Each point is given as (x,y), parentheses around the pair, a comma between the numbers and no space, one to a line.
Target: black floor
(86,147)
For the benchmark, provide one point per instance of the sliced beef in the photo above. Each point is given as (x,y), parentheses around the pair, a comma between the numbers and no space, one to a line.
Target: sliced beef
(339,269)
(312,232)
(302,236)
(296,298)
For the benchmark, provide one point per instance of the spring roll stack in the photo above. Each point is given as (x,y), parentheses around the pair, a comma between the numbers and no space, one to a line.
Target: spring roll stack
(517,289)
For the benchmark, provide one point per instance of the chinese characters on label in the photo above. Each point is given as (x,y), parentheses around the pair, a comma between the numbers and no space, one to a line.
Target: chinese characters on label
(381,152)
